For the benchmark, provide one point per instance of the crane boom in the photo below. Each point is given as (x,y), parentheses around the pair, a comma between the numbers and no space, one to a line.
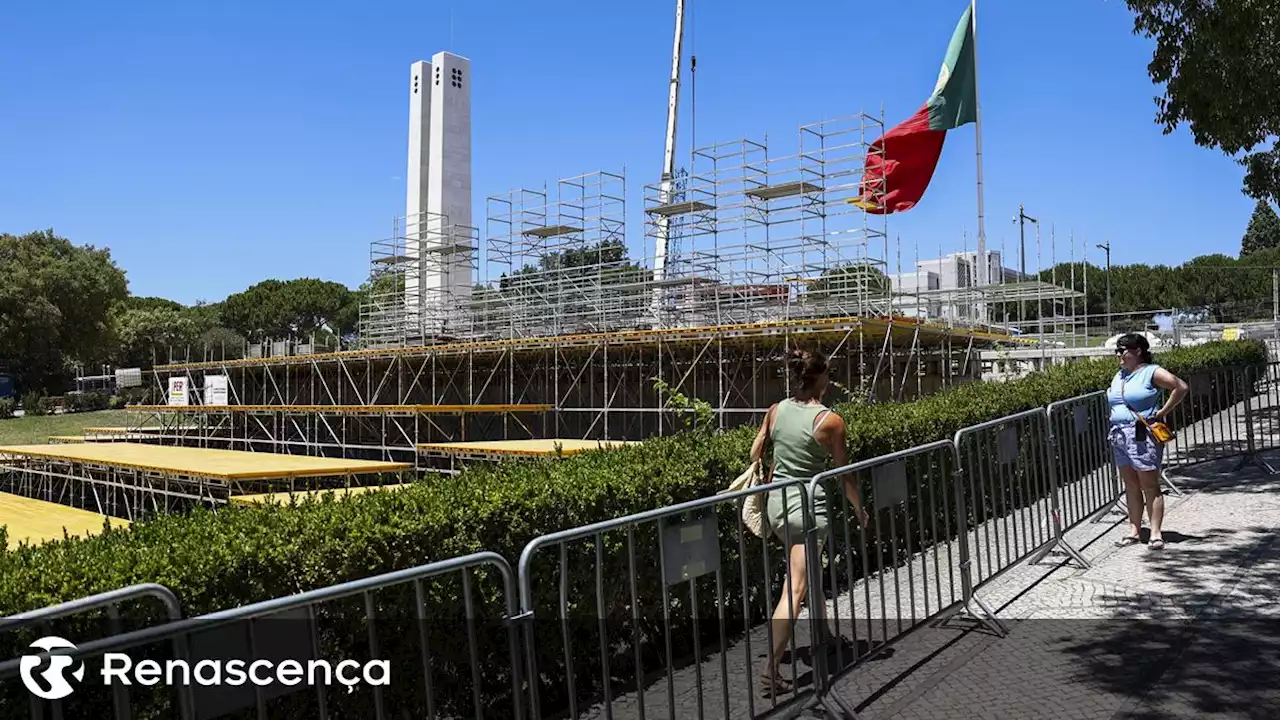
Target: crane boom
(668,162)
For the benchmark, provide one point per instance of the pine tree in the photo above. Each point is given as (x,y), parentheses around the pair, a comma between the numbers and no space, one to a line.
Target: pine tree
(1263,231)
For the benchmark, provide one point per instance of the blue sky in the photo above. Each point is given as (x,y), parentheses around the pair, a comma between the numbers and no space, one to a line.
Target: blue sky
(211,145)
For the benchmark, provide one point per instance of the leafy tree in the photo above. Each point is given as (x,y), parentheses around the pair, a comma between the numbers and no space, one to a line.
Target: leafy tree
(274,308)
(55,302)
(150,303)
(222,343)
(144,336)
(1263,231)
(1218,64)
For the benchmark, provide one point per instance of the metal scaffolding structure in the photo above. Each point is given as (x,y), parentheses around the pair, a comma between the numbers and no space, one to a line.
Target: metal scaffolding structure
(409,302)
(765,251)
(557,264)
(594,386)
(756,237)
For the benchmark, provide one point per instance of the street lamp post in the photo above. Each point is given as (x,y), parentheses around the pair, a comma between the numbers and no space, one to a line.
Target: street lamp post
(1022,219)
(1106,247)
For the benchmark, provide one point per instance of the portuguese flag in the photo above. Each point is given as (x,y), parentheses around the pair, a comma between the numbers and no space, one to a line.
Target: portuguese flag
(900,165)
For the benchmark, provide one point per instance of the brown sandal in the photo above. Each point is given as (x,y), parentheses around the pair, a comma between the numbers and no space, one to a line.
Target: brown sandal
(774,686)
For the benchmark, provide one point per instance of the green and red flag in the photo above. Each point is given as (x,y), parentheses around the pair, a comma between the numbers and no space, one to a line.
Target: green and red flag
(900,164)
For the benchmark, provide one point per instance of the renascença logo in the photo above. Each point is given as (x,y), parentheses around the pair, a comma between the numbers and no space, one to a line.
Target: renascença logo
(47,677)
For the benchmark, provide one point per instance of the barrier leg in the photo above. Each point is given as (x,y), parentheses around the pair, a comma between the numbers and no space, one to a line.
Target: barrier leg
(984,614)
(1254,459)
(1060,543)
(1115,507)
(1251,455)
(1169,483)
(827,702)
(1053,458)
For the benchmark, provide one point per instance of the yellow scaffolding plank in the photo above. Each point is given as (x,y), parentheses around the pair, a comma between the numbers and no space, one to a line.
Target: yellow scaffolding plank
(348,409)
(37,521)
(535,447)
(201,462)
(124,430)
(283,497)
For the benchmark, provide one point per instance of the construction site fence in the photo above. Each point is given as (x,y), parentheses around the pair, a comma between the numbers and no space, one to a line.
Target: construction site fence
(666,613)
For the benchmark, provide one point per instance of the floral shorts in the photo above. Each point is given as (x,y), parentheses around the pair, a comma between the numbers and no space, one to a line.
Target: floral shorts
(1144,454)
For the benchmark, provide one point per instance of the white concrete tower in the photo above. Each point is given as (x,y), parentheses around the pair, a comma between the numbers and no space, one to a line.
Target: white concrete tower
(449,184)
(417,180)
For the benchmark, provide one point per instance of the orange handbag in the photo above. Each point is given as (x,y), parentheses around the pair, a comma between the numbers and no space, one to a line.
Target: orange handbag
(1160,432)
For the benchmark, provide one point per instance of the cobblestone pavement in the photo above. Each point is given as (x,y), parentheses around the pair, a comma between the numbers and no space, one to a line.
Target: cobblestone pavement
(1189,631)
(1179,632)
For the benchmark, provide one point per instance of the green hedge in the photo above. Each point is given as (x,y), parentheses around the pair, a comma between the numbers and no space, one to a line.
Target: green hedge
(36,403)
(87,401)
(245,554)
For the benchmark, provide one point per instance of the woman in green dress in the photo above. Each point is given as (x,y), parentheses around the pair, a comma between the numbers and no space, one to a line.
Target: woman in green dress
(804,435)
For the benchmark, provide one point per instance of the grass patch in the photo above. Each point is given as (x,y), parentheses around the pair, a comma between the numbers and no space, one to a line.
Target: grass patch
(36,430)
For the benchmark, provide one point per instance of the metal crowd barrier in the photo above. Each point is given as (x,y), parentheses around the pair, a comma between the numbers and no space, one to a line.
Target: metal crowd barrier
(110,602)
(622,607)
(1081,455)
(1262,413)
(913,543)
(260,637)
(675,558)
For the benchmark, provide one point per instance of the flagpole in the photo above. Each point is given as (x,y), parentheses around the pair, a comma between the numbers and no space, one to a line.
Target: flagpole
(984,265)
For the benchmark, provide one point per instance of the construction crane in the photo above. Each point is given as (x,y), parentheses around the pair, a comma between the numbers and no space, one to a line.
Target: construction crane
(668,166)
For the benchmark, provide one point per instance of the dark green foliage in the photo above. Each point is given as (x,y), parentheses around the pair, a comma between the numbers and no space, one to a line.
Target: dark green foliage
(1217,64)
(1263,232)
(694,414)
(292,308)
(6,408)
(36,403)
(1230,289)
(86,402)
(246,554)
(55,299)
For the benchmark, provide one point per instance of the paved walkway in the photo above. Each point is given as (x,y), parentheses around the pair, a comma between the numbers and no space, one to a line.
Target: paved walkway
(1187,631)
(1190,631)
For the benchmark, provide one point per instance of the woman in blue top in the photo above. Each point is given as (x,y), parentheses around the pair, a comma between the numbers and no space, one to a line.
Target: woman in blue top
(1136,389)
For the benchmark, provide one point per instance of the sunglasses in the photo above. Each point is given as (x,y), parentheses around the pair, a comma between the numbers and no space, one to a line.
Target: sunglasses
(1121,351)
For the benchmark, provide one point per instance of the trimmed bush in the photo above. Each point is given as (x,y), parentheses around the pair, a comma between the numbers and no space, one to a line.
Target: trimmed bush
(36,403)
(86,402)
(6,408)
(246,554)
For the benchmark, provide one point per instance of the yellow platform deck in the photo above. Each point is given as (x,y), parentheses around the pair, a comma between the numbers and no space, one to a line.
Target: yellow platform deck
(36,521)
(528,448)
(135,431)
(283,497)
(201,462)
(104,437)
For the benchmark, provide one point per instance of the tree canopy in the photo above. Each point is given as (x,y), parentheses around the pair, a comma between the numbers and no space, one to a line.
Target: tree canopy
(1263,231)
(279,309)
(1220,70)
(55,303)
